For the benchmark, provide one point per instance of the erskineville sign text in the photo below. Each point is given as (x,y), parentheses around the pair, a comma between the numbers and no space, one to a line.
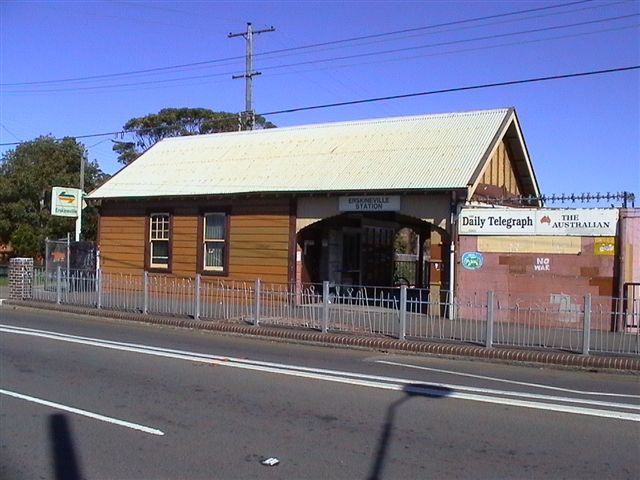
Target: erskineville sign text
(378,203)
(64,201)
(583,222)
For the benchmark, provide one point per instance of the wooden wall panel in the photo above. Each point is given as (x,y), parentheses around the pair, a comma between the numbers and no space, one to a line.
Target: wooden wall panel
(184,243)
(259,245)
(257,251)
(258,237)
(121,244)
(260,221)
(500,172)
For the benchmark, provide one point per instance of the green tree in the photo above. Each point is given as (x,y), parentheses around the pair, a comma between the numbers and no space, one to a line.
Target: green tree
(27,174)
(175,122)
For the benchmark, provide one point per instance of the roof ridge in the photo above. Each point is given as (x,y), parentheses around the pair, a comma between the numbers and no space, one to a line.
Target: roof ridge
(399,118)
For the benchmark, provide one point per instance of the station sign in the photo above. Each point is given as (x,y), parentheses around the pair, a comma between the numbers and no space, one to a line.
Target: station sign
(377,203)
(583,222)
(64,201)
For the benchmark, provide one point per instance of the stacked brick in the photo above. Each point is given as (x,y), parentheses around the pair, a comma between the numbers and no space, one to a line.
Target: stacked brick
(20,278)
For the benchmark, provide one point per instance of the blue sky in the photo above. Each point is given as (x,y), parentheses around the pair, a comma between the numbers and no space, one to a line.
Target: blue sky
(583,134)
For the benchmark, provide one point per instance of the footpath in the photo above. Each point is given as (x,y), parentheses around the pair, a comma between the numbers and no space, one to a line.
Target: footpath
(538,357)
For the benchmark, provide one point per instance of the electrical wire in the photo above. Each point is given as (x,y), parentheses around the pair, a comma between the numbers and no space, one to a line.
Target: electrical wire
(302,47)
(456,89)
(333,59)
(460,50)
(188,82)
(386,98)
(439,32)
(452,42)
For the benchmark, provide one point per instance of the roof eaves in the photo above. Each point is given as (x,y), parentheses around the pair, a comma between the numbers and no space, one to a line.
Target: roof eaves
(532,175)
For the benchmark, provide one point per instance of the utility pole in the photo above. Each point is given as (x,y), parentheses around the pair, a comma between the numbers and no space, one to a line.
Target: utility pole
(249,73)
(80,200)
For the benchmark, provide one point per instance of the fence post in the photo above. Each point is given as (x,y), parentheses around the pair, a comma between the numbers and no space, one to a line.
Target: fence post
(99,288)
(403,312)
(198,288)
(490,319)
(145,307)
(586,328)
(58,285)
(325,306)
(257,303)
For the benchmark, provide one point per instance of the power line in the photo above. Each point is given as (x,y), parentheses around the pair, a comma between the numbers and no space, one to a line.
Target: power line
(437,25)
(189,81)
(344,57)
(379,99)
(123,132)
(456,89)
(454,42)
(302,47)
(10,132)
(487,24)
(464,50)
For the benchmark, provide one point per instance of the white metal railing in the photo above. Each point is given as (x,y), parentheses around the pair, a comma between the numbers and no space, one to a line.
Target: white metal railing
(582,324)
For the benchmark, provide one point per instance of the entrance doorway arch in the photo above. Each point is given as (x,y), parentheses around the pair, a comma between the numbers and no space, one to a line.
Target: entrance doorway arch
(382,249)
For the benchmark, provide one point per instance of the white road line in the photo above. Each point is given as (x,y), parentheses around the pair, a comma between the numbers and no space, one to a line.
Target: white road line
(283,368)
(514,382)
(387,383)
(84,413)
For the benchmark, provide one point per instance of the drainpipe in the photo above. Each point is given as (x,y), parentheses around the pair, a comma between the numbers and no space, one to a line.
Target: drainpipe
(621,269)
(452,253)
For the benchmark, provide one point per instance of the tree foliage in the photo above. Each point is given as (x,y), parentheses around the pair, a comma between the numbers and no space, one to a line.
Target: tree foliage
(27,174)
(175,122)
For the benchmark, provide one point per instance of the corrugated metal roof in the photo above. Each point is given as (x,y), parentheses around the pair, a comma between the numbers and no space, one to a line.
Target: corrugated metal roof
(419,152)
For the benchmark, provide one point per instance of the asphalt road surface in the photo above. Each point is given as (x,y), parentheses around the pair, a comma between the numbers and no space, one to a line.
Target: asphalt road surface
(82,397)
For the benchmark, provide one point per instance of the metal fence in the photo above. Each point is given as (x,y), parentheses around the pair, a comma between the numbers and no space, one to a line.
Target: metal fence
(582,324)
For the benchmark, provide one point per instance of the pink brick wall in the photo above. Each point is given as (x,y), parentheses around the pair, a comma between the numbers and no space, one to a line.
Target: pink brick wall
(631,243)
(558,290)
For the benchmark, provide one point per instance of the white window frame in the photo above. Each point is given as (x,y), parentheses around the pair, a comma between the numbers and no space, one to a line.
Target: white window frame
(159,231)
(220,241)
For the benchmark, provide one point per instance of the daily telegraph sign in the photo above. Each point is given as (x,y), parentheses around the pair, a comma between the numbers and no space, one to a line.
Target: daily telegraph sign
(64,201)
(379,203)
(596,222)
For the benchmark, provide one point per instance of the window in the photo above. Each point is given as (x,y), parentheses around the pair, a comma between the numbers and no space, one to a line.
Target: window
(159,230)
(214,242)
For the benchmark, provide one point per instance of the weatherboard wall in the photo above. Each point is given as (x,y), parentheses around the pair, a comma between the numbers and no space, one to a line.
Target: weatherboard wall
(499,177)
(259,237)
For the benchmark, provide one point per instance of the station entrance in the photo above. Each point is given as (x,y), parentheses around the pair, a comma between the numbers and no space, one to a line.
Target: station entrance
(384,249)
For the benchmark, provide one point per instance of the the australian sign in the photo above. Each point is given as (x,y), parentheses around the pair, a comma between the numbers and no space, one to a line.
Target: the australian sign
(586,222)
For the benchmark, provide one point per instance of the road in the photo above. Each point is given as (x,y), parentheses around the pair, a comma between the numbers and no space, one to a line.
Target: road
(82,397)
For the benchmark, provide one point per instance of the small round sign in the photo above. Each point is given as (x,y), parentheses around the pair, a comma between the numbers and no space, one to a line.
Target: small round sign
(472,260)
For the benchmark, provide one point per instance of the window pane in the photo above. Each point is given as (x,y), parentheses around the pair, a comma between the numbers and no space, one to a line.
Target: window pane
(214,255)
(214,226)
(160,253)
(159,227)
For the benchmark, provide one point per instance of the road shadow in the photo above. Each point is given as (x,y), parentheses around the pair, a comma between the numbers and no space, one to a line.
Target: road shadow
(64,459)
(411,390)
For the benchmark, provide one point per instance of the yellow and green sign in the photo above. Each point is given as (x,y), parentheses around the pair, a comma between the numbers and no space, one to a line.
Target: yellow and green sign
(64,201)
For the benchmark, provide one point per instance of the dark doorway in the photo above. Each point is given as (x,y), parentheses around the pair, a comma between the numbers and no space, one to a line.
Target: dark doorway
(377,249)
(364,249)
(351,256)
